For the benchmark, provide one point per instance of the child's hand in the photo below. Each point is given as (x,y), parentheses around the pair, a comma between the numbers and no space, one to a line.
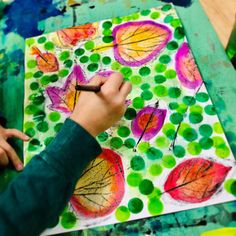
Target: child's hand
(6,151)
(97,112)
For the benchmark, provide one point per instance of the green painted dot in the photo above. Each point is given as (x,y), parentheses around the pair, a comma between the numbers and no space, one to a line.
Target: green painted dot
(144,71)
(54,78)
(147,95)
(159,68)
(145,86)
(63,72)
(176,118)
(169,130)
(194,148)
(130,143)
(146,187)
(170,74)
(39,116)
(48,140)
(33,145)
(136,79)
(102,137)
(135,205)
(28,75)
(218,141)
(34,86)
(68,63)
(183,127)
(202,97)
(123,131)
(89,45)
(223,151)
(30,42)
(210,110)
(173,45)
(106,60)
(92,67)
(29,124)
(79,52)
(42,39)
(31,64)
(190,134)
(117,20)
(122,213)
(162,142)
(159,79)
(230,186)
(84,59)
(31,109)
(137,163)
(143,147)
(107,24)
(38,74)
(138,103)
(49,46)
(154,153)
(218,128)
(126,72)
(174,92)
(37,98)
(115,65)
(145,12)
(134,179)
(168,19)
(160,91)
(116,142)
(179,151)
(206,143)
(173,105)
(155,206)
(155,169)
(42,127)
(179,33)
(57,127)
(196,108)
(182,108)
(64,55)
(95,57)
(30,132)
(189,101)
(135,16)
(164,59)
(166,7)
(54,116)
(68,220)
(168,161)
(107,32)
(195,117)
(107,39)
(45,80)
(155,15)
(130,114)
(175,23)
(205,130)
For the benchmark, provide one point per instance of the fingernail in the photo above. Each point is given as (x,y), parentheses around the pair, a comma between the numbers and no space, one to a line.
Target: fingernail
(27,137)
(19,166)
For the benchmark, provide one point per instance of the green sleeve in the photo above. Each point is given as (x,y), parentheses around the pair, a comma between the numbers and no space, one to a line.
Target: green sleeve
(34,200)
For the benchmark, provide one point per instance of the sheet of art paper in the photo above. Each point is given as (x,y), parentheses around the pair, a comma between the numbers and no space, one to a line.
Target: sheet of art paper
(167,154)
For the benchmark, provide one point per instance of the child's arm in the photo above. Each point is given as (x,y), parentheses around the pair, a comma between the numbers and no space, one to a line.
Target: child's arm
(35,199)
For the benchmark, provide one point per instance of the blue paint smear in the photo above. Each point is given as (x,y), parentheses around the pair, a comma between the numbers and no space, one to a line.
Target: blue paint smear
(182,3)
(23,16)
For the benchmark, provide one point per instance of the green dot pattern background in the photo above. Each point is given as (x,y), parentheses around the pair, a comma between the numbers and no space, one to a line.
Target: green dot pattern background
(189,112)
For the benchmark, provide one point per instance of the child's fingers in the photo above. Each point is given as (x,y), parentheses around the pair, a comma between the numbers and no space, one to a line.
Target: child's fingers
(125,89)
(3,158)
(113,83)
(11,155)
(17,134)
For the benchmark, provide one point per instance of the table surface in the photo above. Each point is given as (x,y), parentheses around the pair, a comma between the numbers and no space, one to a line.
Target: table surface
(222,14)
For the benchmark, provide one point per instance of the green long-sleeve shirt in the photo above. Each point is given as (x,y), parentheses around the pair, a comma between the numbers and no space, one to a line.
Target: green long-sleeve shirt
(34,200)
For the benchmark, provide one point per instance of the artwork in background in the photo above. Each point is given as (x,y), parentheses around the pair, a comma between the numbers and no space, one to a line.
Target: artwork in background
(168,153)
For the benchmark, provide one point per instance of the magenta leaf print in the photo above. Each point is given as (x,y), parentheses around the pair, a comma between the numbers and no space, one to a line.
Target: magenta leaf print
(195,180)
(186,68)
